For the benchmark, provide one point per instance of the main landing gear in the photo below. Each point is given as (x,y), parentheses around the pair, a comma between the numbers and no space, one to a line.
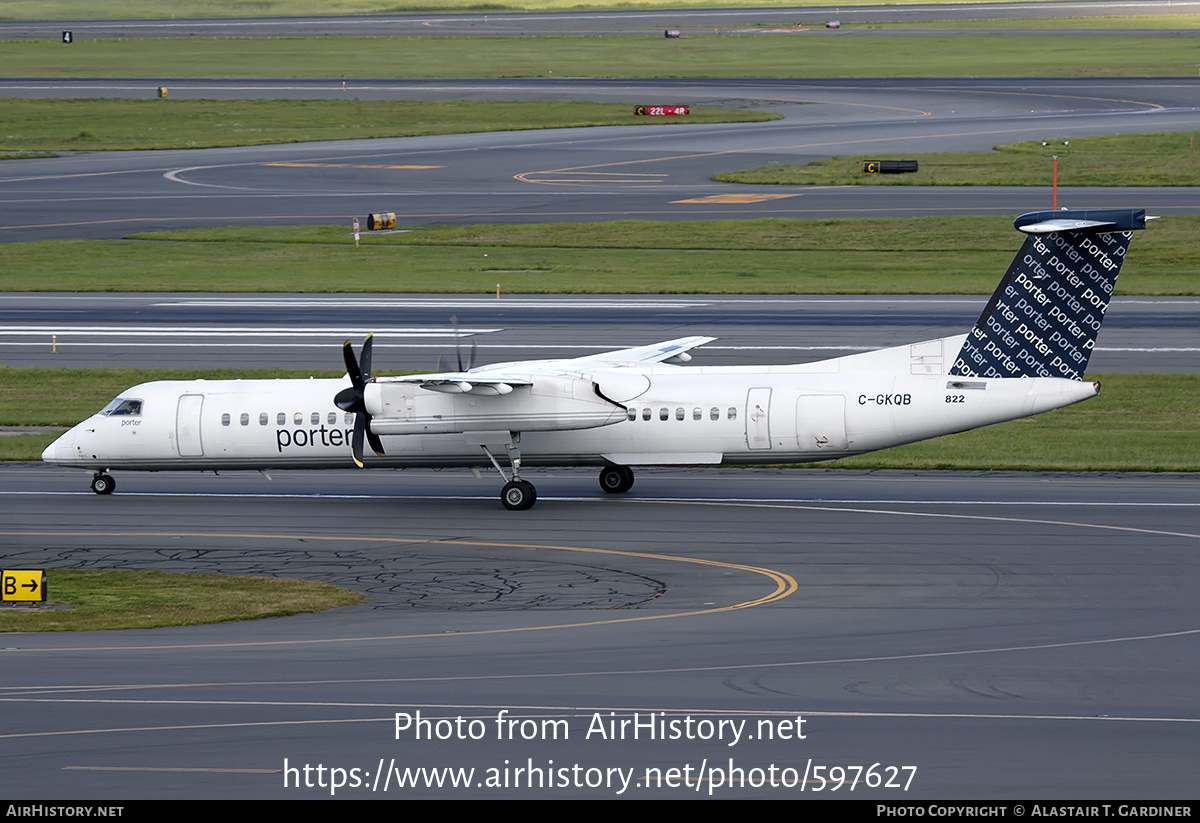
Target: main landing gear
(517,494)
(616,479)
(103,483)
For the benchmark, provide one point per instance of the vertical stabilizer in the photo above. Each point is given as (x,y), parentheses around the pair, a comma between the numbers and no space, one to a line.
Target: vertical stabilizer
(1043,318)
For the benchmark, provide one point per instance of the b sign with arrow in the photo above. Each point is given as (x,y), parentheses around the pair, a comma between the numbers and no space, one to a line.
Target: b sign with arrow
(26,586)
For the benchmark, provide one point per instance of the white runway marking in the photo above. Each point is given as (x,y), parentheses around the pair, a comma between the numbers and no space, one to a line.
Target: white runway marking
(732,501)
(438,303)
(240,331)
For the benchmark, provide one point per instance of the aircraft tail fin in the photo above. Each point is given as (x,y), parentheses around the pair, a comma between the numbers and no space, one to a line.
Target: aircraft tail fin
(1043,318)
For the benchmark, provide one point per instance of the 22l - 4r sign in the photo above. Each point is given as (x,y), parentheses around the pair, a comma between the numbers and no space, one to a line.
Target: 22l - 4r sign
(660,111)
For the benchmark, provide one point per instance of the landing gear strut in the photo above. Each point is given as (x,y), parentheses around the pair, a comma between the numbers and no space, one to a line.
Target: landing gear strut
(103,483)
(616,479)
(517,494)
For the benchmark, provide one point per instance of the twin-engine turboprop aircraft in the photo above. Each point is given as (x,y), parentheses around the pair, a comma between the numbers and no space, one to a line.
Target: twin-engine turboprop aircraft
(641,406)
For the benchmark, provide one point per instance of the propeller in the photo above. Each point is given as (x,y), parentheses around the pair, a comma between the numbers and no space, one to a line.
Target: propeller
(353,399)
(458,348)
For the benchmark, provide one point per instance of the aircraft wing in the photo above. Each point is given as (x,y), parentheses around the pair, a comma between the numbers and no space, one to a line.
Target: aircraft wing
(644,355)
(501,379)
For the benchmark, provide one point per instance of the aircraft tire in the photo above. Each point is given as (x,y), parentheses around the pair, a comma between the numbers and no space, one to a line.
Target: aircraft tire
(616,479)
(518,495)
(103,484)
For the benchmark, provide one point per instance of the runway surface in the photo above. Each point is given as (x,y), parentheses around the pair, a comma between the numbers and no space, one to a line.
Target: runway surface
(1141,334)
(659,172)
(1009,636)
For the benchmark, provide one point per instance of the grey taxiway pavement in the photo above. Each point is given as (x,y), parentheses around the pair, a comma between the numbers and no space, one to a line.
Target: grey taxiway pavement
(991,635)
(988,636)
(658,172)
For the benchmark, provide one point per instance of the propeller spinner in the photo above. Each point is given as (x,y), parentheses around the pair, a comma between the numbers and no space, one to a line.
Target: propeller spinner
(353,399)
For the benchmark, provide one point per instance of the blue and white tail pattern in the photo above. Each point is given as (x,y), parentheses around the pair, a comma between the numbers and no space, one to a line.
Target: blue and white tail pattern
(1043,318)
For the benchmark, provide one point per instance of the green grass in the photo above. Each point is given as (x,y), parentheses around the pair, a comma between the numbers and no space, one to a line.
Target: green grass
(41,125)
(961,255)
(1120,160)
(25,155)
(144,600)
(25,446)
(63,397)
(620,56)
(121,9)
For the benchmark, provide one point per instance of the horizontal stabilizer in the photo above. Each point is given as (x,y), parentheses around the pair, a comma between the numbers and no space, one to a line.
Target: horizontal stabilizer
(1044,222)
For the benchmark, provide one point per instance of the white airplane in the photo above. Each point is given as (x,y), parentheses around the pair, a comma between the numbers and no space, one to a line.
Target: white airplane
(641,406)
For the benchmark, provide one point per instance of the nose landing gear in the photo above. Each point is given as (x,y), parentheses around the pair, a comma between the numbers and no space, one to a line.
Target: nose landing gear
(103,483)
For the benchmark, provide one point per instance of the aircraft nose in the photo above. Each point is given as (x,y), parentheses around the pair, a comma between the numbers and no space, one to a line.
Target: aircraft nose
(61,450)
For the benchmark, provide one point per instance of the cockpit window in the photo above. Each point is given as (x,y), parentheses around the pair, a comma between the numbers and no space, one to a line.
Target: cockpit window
(123,407)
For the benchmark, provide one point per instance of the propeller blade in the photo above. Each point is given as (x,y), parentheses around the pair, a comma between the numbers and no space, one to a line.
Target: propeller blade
(364,360)
(356,442)
(457,346)
(376,443)
(353,399)
(351,364)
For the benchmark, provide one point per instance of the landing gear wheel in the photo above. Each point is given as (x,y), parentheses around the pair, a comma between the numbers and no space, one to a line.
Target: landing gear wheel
(616,479)
(518,495)
(103,484)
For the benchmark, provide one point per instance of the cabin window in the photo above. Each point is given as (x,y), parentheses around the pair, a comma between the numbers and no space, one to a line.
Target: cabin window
(316,418)
(333,418)
(245,421)
(280,419)
(263,419)
(123,407)
(298,418)
(349,419)
(714,413)
(225,419)
(645,414)
(697,413)
(679,413)
(733,412)
(631,414)
(664,414)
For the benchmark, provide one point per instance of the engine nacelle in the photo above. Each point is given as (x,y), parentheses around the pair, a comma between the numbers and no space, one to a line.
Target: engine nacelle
(550,403)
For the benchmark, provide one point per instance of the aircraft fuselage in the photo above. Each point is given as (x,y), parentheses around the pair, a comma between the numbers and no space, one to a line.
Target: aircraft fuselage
(684,416)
